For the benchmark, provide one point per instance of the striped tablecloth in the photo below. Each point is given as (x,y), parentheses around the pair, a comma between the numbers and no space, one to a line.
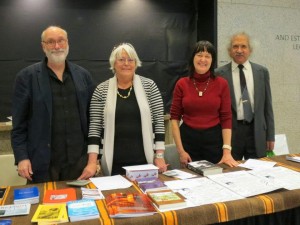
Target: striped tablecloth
(207,214)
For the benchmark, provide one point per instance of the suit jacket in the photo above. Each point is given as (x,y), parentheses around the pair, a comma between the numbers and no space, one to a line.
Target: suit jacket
(32,112)
(264,129)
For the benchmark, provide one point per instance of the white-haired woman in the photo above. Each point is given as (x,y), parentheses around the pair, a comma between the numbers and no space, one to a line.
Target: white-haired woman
(126,118)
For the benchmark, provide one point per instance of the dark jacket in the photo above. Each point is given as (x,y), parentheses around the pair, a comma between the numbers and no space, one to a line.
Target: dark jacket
(32,112)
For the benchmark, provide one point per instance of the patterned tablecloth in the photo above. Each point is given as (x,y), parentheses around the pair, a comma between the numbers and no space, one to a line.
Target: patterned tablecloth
(207,214)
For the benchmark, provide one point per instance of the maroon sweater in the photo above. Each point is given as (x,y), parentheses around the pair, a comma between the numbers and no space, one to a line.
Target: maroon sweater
(213,108)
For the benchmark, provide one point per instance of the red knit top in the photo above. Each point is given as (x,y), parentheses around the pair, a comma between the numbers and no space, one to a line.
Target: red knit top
(213,108)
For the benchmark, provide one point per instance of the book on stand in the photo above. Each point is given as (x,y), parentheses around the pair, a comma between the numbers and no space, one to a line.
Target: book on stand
(167,199)
(59,196)
(84,209)
(129,205)
(26,195)
(151,184)
(204,167)
(50,214)
(15,210)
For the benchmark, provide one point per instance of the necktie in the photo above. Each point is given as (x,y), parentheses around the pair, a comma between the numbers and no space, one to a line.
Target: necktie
(245,100)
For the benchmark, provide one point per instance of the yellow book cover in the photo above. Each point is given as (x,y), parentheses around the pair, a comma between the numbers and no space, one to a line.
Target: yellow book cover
(50,213)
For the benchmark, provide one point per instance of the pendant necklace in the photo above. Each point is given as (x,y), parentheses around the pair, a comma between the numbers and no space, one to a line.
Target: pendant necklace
(125,96)
(200,93)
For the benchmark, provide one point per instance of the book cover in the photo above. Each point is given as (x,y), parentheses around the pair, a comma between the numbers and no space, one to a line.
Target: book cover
(27,195)
(59,196)
(204,167)
(79,183)
(6,222)
(167,199)
(2,192)
(54,213)
(129,205)
(14,210)
(150,184)
(83,209)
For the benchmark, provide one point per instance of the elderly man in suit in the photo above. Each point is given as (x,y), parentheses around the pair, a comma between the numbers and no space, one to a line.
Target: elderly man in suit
(50,108)
(253,131)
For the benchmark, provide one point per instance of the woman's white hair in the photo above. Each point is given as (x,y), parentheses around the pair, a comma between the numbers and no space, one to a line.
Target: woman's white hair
(117,52)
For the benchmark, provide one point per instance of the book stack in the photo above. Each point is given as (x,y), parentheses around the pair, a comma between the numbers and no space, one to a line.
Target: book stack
(59,196)
(167,199)
(129,205)
(150,184)
(50,214)
(204,167)
(84,209)
(29,195)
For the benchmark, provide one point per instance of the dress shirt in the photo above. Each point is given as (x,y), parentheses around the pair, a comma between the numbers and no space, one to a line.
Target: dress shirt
(237,87)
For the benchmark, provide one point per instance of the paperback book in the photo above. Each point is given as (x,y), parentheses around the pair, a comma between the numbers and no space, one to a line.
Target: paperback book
(15,210)
(94,194)
(167,199)
(59,196)
(84,209)
(204,167)
(150,184)
(129,205)
(27,195)
(50,214)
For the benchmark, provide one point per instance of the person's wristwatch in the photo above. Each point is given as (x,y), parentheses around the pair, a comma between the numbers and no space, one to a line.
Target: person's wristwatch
(159,155)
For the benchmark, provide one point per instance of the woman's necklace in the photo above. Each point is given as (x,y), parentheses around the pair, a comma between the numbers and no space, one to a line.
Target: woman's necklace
(200,93)
(125,96)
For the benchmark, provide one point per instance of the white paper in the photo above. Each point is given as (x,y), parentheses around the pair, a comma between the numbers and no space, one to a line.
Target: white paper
(208,192)
(285,177)
(111,182)
(255,164)
(245,184)
(201,191)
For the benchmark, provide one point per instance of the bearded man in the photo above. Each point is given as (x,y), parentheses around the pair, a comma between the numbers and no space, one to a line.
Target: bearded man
(50,111)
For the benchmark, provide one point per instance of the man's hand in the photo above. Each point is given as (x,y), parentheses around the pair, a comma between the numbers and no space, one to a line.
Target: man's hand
(24,169)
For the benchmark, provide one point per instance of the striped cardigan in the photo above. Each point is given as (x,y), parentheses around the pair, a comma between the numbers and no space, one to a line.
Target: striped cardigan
(99,108)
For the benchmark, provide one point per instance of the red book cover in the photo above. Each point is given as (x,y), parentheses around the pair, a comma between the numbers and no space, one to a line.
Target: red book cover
(129,205)
(59,196)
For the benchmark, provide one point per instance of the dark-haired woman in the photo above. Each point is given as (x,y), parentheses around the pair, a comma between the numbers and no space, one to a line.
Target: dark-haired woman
(201,103)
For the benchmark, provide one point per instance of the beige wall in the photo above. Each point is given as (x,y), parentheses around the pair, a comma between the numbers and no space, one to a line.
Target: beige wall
(274,26)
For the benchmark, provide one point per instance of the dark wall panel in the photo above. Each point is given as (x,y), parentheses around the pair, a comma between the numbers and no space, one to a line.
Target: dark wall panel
(162,31)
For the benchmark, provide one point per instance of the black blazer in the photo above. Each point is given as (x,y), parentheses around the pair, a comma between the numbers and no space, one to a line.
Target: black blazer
(32,112)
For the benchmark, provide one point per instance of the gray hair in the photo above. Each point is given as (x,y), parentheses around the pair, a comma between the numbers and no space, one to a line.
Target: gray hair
(52,27)
(239,34)
(117,51)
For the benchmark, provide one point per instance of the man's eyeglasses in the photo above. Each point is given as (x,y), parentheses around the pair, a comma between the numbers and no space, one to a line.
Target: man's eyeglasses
(124,60)
(52,43)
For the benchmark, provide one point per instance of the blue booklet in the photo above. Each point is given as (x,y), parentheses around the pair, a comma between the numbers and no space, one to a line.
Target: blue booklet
(26,195)
(84,209)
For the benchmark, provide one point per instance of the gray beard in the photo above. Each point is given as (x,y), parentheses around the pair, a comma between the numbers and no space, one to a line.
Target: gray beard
(57,58)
